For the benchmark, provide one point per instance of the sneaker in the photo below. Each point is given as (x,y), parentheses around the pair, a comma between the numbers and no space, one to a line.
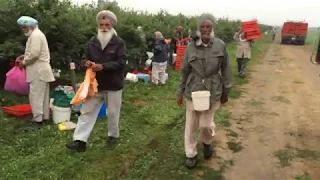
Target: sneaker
(34,126)
(77,146)
(112,142)
(207,151)
(191,162)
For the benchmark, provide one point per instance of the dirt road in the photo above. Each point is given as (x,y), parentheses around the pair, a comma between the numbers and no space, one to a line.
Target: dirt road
(277,121)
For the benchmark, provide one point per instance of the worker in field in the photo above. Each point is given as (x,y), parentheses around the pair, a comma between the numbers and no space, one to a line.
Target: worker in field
(273,32)
(36,61)
(243,52)
(175,38)
(205,67)
(160,58)
(105,54)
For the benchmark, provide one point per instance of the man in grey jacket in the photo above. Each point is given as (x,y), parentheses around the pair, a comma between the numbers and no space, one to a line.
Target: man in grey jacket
(205,66)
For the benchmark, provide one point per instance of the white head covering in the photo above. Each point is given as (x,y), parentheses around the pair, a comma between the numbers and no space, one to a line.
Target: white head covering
(27,21)
(158,34)
(105,14)
(206,16)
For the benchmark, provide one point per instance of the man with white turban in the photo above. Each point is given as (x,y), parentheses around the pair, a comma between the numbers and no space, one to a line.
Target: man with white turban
(36,60)
(205,67)
(105,54)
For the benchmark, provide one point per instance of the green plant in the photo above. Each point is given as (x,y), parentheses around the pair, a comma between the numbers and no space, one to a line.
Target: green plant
(68,27)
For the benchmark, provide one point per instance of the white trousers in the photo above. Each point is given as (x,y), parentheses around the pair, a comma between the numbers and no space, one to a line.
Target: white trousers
(90,110)
(158,72)
(39,99)
(198,120)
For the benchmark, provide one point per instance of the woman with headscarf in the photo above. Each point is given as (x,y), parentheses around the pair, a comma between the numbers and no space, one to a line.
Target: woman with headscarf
(205,66)
(243,52)
(160,58)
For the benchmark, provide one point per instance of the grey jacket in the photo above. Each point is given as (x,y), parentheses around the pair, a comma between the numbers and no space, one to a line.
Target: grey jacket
(206,68)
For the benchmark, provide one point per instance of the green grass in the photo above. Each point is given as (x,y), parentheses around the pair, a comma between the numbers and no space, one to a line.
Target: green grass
(286,155)
(151,144)
(305,176)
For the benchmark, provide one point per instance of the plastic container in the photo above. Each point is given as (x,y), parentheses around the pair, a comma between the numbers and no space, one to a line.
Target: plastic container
(18,111)
(253,34)
(61,114)
(103,111)
(67,126)
(146,77)
(132,77)
(248,26)
(201,100)
(180,53)
(166,75)
(174,57)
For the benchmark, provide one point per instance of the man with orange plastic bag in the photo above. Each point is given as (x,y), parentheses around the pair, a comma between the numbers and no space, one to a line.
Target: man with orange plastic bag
(105,54)
(36,60)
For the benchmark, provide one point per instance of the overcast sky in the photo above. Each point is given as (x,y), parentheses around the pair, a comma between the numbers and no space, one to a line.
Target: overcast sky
(272,12)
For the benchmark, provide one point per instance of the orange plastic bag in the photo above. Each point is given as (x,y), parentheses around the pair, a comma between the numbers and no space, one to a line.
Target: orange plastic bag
(88,88)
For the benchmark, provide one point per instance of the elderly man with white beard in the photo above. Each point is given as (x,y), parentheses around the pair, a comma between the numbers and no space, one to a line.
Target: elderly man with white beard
(36,60)
(205,67)
(105,54)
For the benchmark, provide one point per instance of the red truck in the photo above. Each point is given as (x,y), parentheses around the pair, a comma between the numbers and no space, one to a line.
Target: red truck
(294,32)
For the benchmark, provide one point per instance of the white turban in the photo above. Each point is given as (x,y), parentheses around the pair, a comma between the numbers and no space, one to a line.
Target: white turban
(105,14)
(27,21)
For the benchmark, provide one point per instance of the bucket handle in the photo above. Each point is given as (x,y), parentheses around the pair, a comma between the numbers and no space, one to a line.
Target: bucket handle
(202,83)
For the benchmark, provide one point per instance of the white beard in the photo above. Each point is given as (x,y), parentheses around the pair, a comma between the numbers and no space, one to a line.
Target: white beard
(105,37)
(28,33)
(199,41)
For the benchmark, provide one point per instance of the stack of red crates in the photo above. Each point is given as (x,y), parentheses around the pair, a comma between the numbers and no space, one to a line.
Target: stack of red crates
(180,52)
(251,29)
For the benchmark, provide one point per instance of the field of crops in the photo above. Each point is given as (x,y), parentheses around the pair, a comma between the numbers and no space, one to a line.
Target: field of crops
(151,144)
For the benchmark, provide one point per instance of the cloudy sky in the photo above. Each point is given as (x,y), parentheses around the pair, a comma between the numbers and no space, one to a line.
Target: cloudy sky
(272,12)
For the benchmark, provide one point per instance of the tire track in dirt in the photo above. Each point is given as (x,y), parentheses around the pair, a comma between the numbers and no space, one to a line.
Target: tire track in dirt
(278,109)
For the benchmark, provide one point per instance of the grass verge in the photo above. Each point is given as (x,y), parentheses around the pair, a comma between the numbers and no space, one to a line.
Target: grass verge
(285,156)
(151,145)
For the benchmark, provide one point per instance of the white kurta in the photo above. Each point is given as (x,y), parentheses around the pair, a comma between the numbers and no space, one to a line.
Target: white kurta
(39,74)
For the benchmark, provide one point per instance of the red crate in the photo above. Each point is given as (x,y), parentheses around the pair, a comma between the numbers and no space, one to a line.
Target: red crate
(180,53)
(248,26)
(19,110)
(253,34)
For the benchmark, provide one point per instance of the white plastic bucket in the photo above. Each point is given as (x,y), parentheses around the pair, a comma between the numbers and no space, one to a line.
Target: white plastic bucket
(150,54)
(132,77)
(60,114)
(51,103)
(174,57)
(201,100)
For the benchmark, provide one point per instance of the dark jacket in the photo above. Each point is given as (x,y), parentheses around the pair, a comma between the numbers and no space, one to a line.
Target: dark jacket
(160,51)
(112,57)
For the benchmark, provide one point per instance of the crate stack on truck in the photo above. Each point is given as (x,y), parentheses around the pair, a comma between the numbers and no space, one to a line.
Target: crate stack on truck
(251,29)
(294,32)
